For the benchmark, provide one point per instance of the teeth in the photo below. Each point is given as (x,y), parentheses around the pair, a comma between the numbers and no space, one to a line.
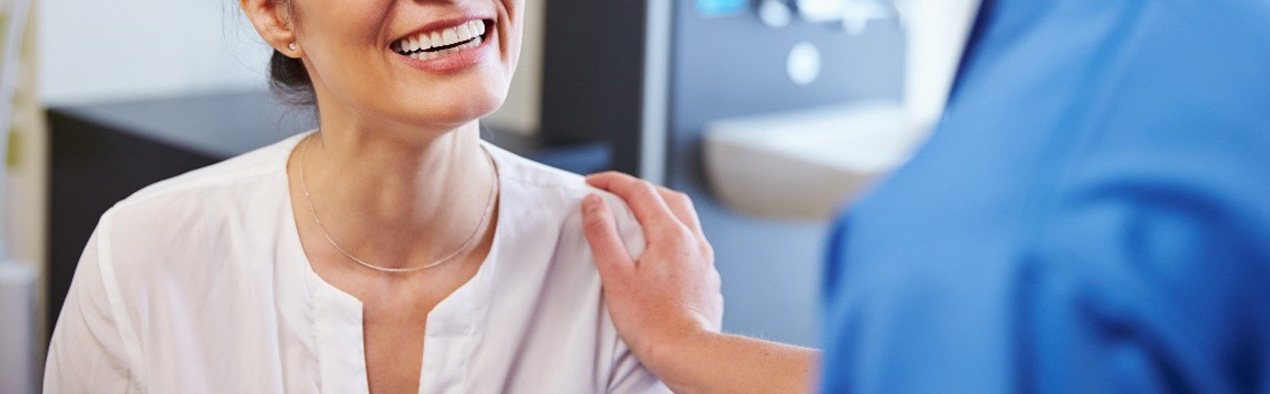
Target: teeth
(464,32)
(449,36)
(471,31)
(423,42)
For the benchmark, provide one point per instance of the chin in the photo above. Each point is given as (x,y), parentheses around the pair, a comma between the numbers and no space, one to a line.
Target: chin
(450,115)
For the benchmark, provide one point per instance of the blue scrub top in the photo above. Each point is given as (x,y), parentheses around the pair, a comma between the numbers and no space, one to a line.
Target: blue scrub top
(1092,216)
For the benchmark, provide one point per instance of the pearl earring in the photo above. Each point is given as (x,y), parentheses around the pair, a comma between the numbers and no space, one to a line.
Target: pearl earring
(292,46)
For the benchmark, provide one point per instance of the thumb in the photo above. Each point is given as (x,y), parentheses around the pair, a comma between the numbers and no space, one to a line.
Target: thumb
(611,257)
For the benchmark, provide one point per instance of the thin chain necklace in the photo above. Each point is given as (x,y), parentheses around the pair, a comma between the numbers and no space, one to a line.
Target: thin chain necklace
(489,208)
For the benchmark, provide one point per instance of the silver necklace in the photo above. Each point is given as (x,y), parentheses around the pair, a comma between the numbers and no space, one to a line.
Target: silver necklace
(489,208)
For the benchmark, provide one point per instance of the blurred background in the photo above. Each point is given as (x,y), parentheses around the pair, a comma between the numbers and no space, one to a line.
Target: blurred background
(770,113)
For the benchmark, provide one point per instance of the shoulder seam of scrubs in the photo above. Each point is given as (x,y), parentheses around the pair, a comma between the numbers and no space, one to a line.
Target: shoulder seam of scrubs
(1041,198)
(118,311)
(1039,202)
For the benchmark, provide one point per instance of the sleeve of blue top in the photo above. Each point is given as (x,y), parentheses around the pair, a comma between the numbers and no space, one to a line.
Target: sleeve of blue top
(1093,215)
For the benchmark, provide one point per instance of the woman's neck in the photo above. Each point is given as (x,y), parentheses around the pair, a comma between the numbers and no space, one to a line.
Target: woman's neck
(399,200)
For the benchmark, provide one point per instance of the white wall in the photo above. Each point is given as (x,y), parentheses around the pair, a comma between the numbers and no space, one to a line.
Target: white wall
(94,50)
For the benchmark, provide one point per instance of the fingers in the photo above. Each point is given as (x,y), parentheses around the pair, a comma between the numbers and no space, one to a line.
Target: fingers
(659,201)
(678,203)
(681,205)
(611,256)
(649,207)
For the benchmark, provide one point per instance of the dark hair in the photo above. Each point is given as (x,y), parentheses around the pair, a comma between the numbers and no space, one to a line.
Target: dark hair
(288,79)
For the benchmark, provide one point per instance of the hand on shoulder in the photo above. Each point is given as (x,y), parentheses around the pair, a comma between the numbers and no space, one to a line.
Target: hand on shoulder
(671,293)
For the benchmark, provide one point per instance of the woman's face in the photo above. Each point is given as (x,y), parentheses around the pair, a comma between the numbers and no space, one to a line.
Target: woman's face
(435,64)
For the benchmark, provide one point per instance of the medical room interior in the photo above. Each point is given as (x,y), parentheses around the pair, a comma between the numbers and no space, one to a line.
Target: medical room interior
(746,106)
(773,115)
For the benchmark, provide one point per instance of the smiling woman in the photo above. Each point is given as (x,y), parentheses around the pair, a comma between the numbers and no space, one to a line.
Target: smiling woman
(389,251)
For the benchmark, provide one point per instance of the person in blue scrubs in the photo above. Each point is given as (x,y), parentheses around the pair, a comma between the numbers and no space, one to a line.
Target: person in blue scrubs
(1092,215)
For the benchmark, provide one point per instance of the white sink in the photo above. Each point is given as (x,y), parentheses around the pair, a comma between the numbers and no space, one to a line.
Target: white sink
(804,165)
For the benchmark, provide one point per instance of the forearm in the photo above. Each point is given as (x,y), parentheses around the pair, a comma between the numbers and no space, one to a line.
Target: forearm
(721,363)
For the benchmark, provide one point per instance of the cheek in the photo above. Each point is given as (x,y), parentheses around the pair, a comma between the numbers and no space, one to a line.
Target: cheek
(340,41)
(342,27)
(511,27)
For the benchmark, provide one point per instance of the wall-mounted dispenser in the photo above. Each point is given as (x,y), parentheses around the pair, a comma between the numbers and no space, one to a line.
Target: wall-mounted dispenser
(718,8)
(854,15)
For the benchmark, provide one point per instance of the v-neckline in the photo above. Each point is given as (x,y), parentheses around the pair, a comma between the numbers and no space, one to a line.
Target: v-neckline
(336,312)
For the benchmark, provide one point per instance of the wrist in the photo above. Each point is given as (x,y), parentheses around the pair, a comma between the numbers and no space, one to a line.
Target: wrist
(668,342)
(672,354)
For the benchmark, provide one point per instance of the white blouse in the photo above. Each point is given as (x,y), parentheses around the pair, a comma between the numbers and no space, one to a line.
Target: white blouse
(198,284)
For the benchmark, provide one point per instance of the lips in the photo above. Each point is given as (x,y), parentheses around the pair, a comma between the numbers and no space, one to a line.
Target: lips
(438,43)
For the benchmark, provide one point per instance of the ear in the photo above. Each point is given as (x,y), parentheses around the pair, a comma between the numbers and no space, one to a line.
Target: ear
(273,23)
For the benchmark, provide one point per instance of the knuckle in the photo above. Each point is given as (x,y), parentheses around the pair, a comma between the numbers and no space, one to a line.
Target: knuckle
(684,234)
(676,234)
(645,186)
(666,234)
(708,252)
(683,198)
(674,196)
